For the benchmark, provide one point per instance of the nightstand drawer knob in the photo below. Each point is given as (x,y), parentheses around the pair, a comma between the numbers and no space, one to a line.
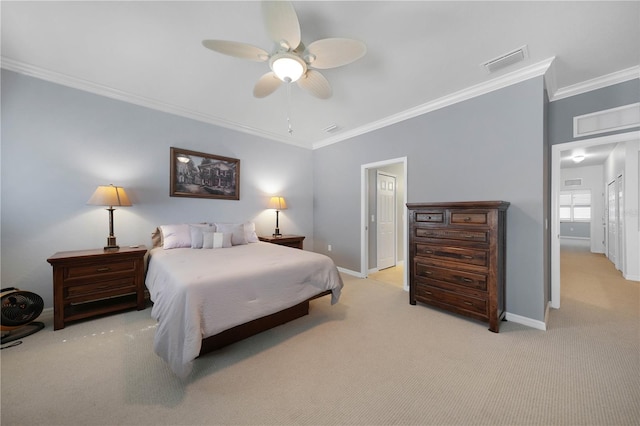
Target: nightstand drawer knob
(105,269)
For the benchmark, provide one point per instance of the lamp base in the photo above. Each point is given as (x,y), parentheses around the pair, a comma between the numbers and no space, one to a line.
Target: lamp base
(277,233)
(111,243)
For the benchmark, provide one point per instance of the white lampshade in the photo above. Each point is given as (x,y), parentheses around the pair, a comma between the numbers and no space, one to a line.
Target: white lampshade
(288,68)
(277,203)
(109,195)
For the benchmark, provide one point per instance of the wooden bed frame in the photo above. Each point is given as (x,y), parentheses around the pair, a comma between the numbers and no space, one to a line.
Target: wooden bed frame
(256,326)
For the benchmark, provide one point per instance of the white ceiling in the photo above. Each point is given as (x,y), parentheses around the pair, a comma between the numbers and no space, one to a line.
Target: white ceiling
(420,54)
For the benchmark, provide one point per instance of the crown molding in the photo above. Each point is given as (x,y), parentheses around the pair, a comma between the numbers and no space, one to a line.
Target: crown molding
(597,83)
(535,70)
(110,92)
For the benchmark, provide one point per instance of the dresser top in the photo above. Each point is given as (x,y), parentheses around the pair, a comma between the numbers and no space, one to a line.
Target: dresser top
(501,205)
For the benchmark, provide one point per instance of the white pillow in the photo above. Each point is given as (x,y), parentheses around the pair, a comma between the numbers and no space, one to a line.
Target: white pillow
(236,229)
(199,234)
(208,241)
(250,232)
(175,236)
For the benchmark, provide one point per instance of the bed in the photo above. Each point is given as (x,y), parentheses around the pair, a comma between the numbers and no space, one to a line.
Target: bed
(206,298)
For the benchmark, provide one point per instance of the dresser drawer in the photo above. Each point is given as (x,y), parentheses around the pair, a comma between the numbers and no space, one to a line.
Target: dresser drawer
(457,254)
(462,278)
(429,294)
(468,218)
(453,234)
(99,290)
(430,217)
(91,270)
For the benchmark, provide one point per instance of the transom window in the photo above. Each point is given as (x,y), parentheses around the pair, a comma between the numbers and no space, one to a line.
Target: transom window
(575,206)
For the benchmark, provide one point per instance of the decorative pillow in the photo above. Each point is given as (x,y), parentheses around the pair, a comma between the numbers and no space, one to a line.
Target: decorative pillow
(208,238)
(156,238)
(250,232)
(198,234)
(238,236)
(175,236)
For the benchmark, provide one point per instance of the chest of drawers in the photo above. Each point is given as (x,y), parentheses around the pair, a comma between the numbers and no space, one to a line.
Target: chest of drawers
(87,283)
(457,254)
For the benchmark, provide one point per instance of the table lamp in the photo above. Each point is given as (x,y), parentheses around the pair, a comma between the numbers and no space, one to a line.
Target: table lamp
(278,203)
(110,196)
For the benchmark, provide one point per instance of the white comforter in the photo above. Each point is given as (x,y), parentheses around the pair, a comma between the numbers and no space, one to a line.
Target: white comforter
(198,293)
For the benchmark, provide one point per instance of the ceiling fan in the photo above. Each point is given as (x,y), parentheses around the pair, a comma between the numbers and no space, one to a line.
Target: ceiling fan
(292,61)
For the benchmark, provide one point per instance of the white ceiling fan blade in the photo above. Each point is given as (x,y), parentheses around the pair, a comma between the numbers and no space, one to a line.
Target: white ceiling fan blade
(334,52)
(282,23)
(237,49)
(267,84)
(316,84)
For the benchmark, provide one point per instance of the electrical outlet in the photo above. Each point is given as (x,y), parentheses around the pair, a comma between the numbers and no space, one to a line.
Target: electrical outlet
(329,247)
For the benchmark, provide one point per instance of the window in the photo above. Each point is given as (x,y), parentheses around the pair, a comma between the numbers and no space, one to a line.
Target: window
(575,206)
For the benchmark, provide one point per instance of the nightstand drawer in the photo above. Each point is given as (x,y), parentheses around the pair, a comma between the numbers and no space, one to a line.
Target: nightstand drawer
(100,290)
(91,270)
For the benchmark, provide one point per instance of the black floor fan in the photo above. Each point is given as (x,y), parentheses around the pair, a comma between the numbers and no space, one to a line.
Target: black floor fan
(18,311)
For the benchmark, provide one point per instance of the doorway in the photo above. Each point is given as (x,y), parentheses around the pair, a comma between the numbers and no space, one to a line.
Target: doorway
(396,167)
(556,151)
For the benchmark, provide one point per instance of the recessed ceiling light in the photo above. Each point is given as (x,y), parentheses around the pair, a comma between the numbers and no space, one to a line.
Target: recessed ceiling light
(577,158)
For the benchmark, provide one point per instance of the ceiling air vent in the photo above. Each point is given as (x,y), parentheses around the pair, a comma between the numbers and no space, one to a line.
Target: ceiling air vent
(507,59)
(573,182)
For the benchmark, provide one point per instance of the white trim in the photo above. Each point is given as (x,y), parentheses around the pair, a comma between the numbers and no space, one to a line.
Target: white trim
(498,83)
(596,83)
(529,322)
(555,191)
(350,272)
(364,220)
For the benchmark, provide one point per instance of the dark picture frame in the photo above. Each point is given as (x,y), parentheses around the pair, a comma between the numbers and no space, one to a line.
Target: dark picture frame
(199,175)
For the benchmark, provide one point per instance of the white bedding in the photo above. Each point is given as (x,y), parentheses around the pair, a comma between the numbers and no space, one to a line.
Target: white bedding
(198,293)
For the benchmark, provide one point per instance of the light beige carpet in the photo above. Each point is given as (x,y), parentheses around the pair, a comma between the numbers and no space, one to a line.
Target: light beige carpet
(372,359)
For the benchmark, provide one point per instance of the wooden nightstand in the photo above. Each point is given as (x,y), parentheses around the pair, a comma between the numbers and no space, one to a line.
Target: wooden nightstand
(87,283)
(294,241)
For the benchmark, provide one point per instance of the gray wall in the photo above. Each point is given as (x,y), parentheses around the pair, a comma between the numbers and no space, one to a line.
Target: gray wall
(59,144)
(487,148)
(562,111)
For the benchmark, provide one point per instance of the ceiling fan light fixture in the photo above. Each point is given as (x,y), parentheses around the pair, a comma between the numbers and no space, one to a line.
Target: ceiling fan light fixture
(288,67)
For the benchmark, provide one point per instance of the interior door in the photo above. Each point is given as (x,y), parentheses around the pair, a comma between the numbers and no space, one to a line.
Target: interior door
(612,239)
(620,224)
(386,228)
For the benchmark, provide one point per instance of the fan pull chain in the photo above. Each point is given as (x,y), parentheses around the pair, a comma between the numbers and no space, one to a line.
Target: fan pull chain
(288,101)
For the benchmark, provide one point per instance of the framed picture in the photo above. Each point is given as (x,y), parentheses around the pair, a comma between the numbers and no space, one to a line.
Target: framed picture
(200,175)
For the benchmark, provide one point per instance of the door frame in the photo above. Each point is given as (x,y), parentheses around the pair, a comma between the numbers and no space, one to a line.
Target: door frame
(364,210)
(556,150)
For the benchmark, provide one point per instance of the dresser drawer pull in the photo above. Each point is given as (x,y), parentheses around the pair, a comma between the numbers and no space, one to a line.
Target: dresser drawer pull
(105,269)
(467,280)
(428,251)
(468,303)
(469,236)
(427,272)
(429,293)
(466,256)
(467,219)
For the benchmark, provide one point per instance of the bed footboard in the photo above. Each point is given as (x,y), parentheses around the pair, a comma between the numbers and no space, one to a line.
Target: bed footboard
(256,326)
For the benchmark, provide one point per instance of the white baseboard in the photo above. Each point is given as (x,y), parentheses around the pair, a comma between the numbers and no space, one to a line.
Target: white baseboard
(631,277)
(350,272)
(529,322)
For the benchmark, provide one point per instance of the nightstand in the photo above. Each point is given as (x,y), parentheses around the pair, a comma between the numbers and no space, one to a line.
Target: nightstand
(294,241)
(88,283)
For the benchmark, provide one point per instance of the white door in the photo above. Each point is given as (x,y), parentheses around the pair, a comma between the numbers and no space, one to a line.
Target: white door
(386,211)
(612,240)
(620,222)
